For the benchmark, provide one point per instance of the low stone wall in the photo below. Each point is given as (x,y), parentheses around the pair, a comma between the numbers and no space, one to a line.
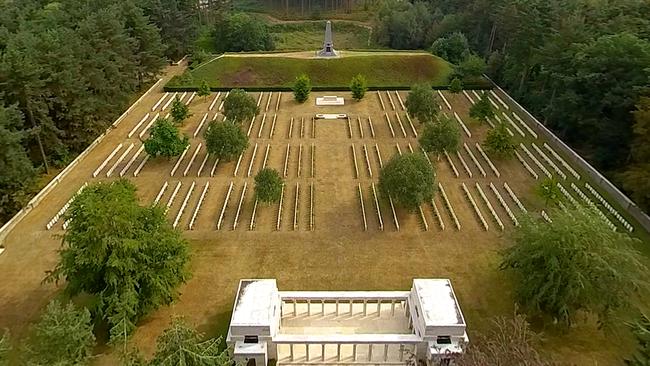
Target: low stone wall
(625,202)
(9,225)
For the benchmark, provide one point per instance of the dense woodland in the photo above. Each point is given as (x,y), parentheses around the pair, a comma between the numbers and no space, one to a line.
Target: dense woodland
(69,68)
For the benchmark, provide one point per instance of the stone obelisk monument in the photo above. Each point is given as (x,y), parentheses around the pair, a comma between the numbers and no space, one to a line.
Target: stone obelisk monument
(328,45)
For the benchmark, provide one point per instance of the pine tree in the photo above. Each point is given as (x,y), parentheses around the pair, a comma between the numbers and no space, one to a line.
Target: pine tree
(358,86)
(204,89)
(456,86)
(302,88)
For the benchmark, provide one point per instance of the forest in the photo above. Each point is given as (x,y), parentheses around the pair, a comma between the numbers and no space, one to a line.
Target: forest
(68,69)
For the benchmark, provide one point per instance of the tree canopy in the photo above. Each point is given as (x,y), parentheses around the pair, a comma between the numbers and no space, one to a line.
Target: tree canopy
(637,174)
(641,330)
(181,345)
(17,174)
(440,136)
(165,140)
(225,140)
(126,256)
(204,89)
(301,88)
(242,32)
(453,48)
(574,264)
(408,179)
(549,191)
(180,111)
(240,106)
(421,103)
(268,185)
(455,86)
(62,336)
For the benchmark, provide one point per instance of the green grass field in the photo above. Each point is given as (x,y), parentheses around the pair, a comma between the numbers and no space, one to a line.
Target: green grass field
(308,35)
(277,71)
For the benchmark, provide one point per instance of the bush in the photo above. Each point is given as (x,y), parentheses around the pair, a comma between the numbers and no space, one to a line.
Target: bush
(204,89)
(549,191)
(358,86)
(456,86)
(302,88)
(408,179)
(268,185)
(472,68)
(575,264)
(225,140)
(180,111)
(62,336)
(440,136)
(421,103)
(482,109)
(165,140)
(499,143)
(240,106)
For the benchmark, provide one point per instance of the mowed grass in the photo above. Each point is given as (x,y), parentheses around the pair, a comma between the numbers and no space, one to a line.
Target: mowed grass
(380,70)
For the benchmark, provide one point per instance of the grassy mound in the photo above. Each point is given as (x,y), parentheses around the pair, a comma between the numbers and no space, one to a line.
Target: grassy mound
(276,71)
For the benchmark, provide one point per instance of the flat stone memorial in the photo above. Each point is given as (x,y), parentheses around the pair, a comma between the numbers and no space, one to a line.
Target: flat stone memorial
(331,116)
(329,100)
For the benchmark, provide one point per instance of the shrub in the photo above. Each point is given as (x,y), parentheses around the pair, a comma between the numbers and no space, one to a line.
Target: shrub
(453,48)
(456,86)
(358,86)
(408,179)
(482,109)
(268,185)
(225,140)
(204,89)
(179,111)
(473,67)
(301,88)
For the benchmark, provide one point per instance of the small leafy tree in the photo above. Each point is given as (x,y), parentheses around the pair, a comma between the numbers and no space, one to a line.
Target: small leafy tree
(409,179)
(421,103)
(509,341)
(473,67)
(182,345)
(574,264)
(482,110)
(641,330)
(453,48)
(268,185)
(358,86)
(165,140)
(62,336)
(456,86)
(204,89)
(440,136)
(302,88)
(225,140)
(549,191)
(499,143)
(128,257)
(180,111)
(240,106)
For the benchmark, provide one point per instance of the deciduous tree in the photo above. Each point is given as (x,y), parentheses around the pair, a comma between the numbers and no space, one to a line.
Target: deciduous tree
(636,176)
(242,32)
(440,136)
(301,88)
(225,140)
(456,86)
(549,191)
(358,86)
(409,179)
(268,185)
(128,257)
(453,48)
(574,264)
(421,103)
(165,140)
(240,106)
(472,68)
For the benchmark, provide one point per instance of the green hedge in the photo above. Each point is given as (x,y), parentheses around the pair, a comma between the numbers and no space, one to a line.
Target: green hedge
(473,86)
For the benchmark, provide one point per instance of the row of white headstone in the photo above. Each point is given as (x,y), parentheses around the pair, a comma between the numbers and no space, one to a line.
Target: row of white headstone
(63,209)
(609,208)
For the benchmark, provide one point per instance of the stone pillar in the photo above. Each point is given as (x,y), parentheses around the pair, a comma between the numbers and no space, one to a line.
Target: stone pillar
(291,351)
(337,307)
(322,352)
(338,352)
(323,307)
(354,352)
(308,307)
(365,307)
(307,351)
(351,303)
(392,308)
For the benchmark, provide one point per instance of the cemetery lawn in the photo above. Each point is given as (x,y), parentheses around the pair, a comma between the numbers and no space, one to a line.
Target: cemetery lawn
(308,35)
(279,71)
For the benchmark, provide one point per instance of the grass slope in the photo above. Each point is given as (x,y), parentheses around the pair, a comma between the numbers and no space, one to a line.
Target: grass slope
(276,71)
